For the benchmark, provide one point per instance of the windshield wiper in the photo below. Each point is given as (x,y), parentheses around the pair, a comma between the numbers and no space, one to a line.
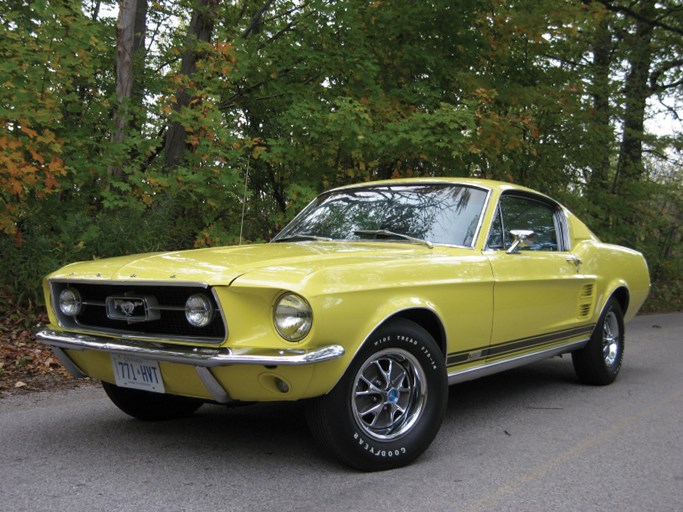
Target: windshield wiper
(386,232)
(300,237)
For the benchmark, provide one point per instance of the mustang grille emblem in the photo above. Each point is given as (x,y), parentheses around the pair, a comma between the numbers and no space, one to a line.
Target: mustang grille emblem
(132,309)
(126,307)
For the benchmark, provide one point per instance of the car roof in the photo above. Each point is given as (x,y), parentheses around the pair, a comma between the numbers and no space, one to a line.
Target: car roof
(477,182)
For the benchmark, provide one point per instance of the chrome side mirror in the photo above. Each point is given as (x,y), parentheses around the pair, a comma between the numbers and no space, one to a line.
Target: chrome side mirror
(523,238)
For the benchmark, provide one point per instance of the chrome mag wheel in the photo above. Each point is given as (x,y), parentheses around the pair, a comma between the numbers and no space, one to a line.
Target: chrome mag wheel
(610,339)
(389,394)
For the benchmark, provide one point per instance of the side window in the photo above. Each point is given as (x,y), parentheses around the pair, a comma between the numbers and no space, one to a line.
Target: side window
(516,212)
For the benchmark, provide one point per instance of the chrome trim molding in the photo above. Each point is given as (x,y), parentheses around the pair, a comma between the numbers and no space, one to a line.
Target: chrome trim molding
(482,215)
(203,357)
(127,282)
(508,364)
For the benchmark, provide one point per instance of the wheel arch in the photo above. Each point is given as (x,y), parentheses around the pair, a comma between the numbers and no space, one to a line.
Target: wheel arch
(623,297)
(420,314)
(621,294)
(425,318)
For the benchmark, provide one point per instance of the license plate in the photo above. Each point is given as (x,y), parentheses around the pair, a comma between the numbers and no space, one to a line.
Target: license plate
(132,372)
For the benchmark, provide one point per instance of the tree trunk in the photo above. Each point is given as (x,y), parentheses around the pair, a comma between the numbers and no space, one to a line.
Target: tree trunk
(130,49)
(636,92)
(199,31)
(602,60)
(139,54)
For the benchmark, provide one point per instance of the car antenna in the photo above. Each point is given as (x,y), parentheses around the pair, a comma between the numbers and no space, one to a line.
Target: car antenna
(244,200)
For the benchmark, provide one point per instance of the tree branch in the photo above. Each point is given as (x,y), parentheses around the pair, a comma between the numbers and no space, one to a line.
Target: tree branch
(286,13)
(257,19)
(657,73)
(655,22)
(230,102)
(290,26)
(157,151)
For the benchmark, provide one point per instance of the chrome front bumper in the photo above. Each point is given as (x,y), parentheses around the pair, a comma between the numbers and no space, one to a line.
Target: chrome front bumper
(201,358)
(206,357)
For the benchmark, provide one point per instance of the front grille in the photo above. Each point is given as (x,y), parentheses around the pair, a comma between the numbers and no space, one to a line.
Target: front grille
(169,304)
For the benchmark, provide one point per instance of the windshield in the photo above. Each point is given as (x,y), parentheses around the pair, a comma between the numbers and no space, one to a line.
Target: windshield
(436,213)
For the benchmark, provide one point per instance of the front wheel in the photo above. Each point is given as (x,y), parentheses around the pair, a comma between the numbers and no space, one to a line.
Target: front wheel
(148,406)
(599,362)
(389,405)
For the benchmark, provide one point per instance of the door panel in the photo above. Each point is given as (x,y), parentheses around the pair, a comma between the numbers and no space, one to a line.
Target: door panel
(540,293)
(538,299)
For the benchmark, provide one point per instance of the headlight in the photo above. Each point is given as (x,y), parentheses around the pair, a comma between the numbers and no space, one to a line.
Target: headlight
(70,302)
(199,310)
(293,317)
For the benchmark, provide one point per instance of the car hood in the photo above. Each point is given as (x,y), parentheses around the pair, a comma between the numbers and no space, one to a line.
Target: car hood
(275,264)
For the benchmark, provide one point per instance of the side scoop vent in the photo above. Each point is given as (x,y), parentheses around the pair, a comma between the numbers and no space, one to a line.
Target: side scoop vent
(586,300)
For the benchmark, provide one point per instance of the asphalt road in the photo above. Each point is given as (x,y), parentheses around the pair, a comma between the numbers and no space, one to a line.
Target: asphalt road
(531,439)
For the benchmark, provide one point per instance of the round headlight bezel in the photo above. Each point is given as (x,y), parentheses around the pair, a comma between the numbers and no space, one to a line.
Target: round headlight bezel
(199,310)
(70,302)
(292,317)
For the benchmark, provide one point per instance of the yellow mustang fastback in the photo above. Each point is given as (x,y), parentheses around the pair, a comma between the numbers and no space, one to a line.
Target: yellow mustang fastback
(367,305)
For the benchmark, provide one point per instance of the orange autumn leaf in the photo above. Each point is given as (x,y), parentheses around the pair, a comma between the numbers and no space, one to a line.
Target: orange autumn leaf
(37,156)
(56,165)
(51,182)
(31,133)
(15,186)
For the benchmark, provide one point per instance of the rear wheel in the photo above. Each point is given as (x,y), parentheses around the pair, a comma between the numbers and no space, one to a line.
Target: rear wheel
(388,406)
(599,362)
(148,406)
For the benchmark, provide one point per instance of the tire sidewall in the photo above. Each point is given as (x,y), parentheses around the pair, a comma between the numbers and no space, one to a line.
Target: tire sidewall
(360,449)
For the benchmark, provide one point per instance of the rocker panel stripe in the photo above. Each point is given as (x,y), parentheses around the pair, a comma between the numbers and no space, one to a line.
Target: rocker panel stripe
(518,345)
